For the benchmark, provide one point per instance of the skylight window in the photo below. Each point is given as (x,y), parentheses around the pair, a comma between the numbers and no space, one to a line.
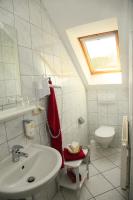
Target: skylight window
(102,52)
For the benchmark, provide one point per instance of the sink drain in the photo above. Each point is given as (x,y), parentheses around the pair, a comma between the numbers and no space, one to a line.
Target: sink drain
(31,179)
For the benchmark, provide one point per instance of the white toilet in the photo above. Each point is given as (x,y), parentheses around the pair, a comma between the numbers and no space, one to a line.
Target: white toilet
(104,135)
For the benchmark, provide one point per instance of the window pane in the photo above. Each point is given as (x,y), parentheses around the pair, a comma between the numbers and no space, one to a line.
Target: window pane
(103,52)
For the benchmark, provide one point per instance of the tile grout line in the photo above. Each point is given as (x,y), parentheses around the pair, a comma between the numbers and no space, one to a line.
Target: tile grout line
(101,173)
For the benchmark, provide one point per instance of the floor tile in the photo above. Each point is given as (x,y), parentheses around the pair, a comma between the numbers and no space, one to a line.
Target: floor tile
(58,196)
(95,156)
(98,185)
(84,194)
(108,151)
(113,194)
(113,176)
(118,150)
(100,151)
(103,164)
(118,163)
(115,158)
(67,194)
(124,193)
(70,194)
(92,171)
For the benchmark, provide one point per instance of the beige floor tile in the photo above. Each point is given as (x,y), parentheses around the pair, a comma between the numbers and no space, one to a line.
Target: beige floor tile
(98,185)
(103,164)
(111,195)
(113,176)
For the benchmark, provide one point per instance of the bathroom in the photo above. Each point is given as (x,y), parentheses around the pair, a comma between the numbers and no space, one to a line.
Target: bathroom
(37,40)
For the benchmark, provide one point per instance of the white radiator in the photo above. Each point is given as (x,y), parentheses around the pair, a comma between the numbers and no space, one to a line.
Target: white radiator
(124,154)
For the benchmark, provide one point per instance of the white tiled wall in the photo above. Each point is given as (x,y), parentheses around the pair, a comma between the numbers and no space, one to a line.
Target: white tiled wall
(42,52)
(100,113)
(9,68)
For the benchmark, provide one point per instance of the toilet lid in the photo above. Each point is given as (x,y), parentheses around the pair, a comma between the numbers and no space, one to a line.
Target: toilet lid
(105,131)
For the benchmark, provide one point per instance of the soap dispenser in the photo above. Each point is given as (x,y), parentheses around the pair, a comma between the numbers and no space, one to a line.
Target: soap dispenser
(29,128)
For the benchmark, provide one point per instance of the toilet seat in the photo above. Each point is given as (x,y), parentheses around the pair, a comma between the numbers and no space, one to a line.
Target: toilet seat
(105,131)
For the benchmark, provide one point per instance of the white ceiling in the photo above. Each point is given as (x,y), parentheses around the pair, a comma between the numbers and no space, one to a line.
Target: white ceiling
(67,14)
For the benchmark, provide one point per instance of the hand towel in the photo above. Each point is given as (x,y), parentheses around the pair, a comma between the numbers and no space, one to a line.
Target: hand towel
(70,157)
(54,122)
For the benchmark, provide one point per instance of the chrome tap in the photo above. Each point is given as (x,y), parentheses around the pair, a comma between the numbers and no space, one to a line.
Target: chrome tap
(16,153)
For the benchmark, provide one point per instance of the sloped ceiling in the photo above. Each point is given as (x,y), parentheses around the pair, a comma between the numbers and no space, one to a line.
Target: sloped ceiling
(67,14)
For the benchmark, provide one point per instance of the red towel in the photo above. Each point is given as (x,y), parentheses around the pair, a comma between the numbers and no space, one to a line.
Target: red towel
(70,157)
(54,122)
(72,176)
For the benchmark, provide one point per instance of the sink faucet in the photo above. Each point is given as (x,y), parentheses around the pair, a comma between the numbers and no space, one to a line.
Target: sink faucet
(16,153)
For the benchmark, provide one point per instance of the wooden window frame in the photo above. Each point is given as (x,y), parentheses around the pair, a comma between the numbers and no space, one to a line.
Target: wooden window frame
(87,57)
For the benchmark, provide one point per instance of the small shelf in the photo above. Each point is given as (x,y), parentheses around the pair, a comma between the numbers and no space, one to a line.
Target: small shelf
(14,112)
(64,180)
(79,167)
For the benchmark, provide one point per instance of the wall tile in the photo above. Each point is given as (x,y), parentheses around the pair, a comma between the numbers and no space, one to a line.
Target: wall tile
(21,140)
(10,93)
(6,17)
(92,94)
(26,61)
(44,136)
(6,4)
(102,108)
(35,12)
(123,107)
(38,63)
(57,65)
(36,36)
(2,134)
(1,55)
(48,41)
(102,119)
(10,87)
(9,54)
(112,119)
(10,71)
(93,118)
(92,106)
(48,64)
(28,89)
(2,87)
(112,108)
(46,24)
(120,118)
(21,8)
(123,94)
(14,127)
(23,32)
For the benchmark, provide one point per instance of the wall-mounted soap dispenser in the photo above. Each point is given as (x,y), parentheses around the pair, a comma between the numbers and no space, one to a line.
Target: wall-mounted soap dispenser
(29,128)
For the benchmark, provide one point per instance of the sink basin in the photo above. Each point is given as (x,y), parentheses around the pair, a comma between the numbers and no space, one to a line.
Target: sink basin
(29,175)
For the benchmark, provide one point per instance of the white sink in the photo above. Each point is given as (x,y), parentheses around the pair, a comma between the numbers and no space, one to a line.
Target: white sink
(43,164)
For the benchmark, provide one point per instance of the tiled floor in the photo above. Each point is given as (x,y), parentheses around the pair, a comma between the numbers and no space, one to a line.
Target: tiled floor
(104,181)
